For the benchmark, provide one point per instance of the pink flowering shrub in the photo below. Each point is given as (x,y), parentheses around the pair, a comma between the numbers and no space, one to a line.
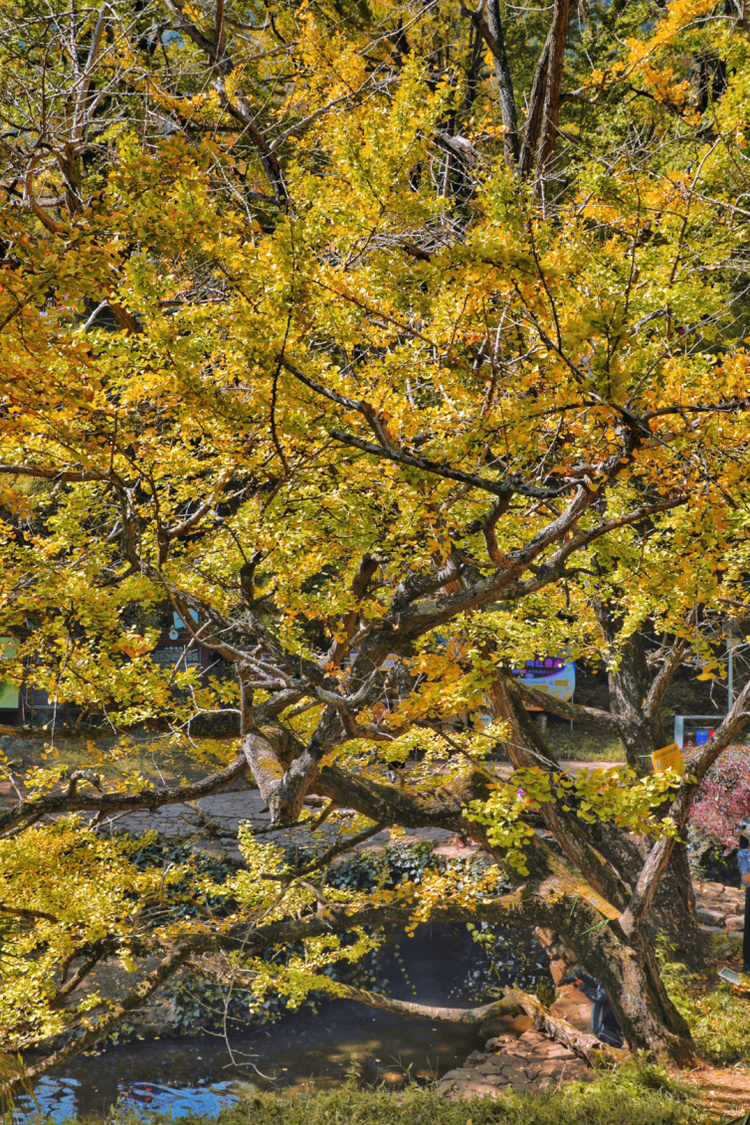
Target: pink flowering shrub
(723,800)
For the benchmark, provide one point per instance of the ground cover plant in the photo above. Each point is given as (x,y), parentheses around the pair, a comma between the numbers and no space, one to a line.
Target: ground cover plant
(719,1017)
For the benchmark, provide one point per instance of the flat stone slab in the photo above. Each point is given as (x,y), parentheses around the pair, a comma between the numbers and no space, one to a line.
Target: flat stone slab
(227,810)
(530,1064)
(571,1005)
(710,917)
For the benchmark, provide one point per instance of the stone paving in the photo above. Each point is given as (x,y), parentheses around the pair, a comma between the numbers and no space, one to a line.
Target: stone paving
(720,909)
(212,823)
(521,1059)
(528,1064)
(241,802)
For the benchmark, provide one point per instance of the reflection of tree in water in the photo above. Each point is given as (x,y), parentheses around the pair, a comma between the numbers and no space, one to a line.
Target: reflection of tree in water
(469,965)
(509,957)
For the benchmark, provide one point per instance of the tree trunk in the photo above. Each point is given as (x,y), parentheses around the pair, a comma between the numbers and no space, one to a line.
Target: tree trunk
(673,913)
(513,1002)
(504,83)
(630,974)
(551,113)
(630,685)
(626,966)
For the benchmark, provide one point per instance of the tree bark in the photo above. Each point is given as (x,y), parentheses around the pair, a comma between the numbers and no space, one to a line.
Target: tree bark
(586,1046)
(552,102)
(492,33)
(513,1001)
(528,750)
(536,108)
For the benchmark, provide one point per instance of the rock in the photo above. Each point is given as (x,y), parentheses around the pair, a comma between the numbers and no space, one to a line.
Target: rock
(498,1042)
(572,1005)
(545,937)
(393,1077)
(476,1058)
(735,922)
(459,1075)
(533,1040)
(710,917)
(514,1071)
(530,1063)
(548,1066)
(479,1088)
(718,887)
(515,1052)
(558,970)
(559,1051)
(492,1067)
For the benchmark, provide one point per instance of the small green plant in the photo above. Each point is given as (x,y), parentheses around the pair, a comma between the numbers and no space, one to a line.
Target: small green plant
(719,1019)
(13,1081)
(546,991)
(581,745)
(639,1075)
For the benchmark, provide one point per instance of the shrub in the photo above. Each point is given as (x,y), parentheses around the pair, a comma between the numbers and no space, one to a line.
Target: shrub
(723,801)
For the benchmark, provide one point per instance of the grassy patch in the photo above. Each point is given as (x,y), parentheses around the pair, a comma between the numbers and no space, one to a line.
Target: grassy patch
(719,1018)
(581,745)
(634,1095)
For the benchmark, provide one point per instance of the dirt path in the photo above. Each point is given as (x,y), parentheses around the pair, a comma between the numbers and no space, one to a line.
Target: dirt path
(724,1092)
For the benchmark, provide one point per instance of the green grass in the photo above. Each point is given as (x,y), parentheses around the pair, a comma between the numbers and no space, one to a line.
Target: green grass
(720,1023)
(635,1095)
(581,745)
(719,1018)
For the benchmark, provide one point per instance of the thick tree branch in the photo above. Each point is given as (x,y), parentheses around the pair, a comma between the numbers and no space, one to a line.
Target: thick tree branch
(501,488)
(493,37)
(577,712)
(536,108)
(33,809)
(551,113)
(663,677)
(528,750)
(696,769)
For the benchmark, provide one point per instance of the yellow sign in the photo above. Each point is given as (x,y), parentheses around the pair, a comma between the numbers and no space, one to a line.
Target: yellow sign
(669,757)
(597,900)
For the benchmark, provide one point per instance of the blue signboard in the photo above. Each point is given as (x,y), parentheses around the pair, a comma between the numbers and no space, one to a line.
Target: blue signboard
(553,675)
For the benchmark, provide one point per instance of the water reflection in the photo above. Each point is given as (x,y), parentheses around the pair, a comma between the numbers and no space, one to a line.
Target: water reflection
(179,1076)
(61,1099)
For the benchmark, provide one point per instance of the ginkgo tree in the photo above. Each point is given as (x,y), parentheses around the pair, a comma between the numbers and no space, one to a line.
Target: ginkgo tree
(312,340)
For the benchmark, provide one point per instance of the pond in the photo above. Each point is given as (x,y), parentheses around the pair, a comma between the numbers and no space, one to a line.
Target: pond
(440,965)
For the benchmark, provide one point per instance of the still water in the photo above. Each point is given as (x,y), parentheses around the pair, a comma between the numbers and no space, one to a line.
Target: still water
(440,965)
